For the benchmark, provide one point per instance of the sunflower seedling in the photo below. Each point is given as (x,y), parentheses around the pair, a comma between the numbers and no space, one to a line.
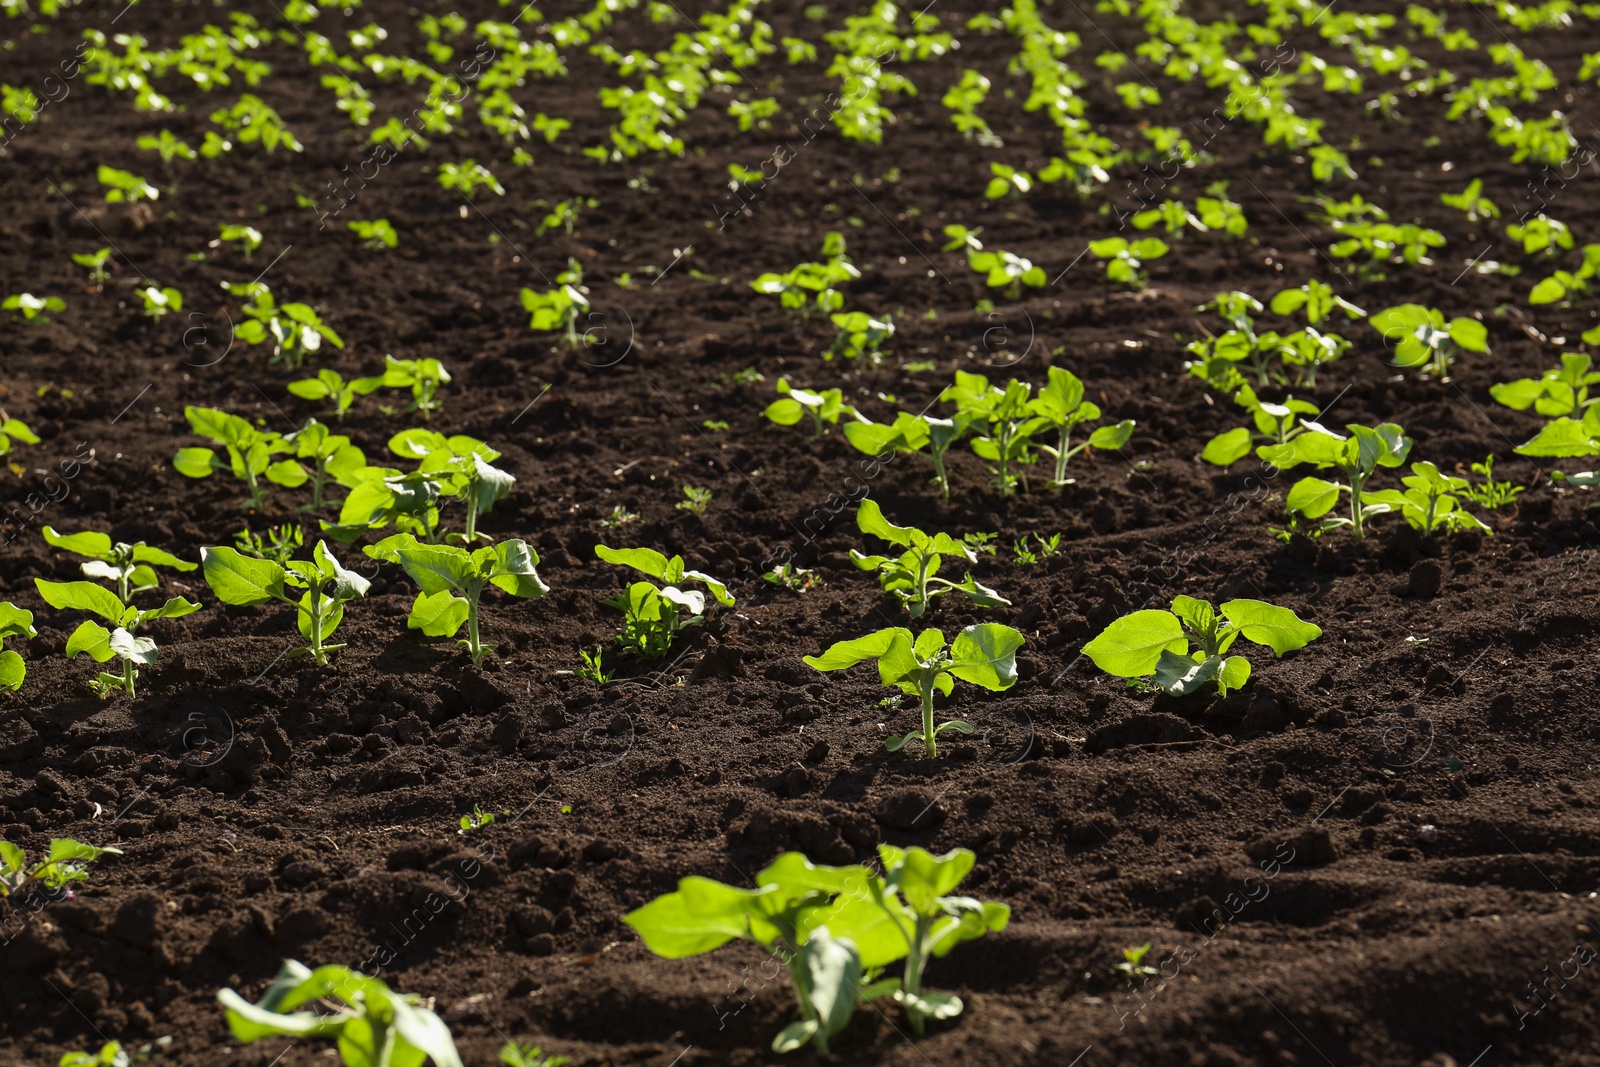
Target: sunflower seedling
(1007,413)
(1275,424)
(461,466)
(695,500)
(1429,502)
(1133,966)
(278,544)
(912,577)
(375,234)
(294,329)
(653,614)
(248,453)
(123,187)
(331,385)
(983,654)
(422,376)
(559,308)
(129,568)
(452,581)
(825,408)
(1357,457)
(14,622)
(1154,646)
(247,237)
(1422,337)
(13,430)
(1060,406)
(159,303)
(1125,259)
(245,581)
(31,307)
(122,641)
(333,460)
(911,433)
(372,1025)
(1563,390)
(95,263)
(64,864)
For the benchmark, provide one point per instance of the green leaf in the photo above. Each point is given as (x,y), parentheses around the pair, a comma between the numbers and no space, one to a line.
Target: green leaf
(833,971)
(1200,616)
(15,621)
(923,877)
(82,596)
(435,568)
(90,543)
(195,462)
(1132,645)
(513,569)
(1562,438)
(1313,497)
(702,915)
(985,654)
(239,579)
(1470,334)
(646,561)
(1235,672)
(845,654)
(1228,447)
(91,638)
(794,1036)
(140,650)
(1267,624)
(146,554)
(1111,438)
(438,614)
(1180,675)
(12,670)
(869,518)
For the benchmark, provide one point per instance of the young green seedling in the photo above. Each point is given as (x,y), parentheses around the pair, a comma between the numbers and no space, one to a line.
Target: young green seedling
(422,376)
(820,922)
(1472,201)
(130,568)
(515,1055)
(452,581)
(120,642)
(1274,424)
(159,303)
(912,433)
(375,234)
(1357,457)
(330,385)
(383,495)
(249,453)
(1171,215)
(654,615)
(122,186)
(1125,259)
(245,581)
(332,457)
(1157,643)
(1429,503)
(695,500)
(372,1025)
(95,262)
(1563,390)
(1490,494)
(294,329)
(248,238)
(559,308)
(12,430)
(860,336)
(1007,181)
(1422,337)
(467,176)
(111,1054)
(31,307)
(1317,300)
(825,408)
(278,544)
(812,286)
(1008,442)
(1541,234)
(65,864)
(462,468)
(14,622)
(1060,406)
(932,921)
(912,577)
(983,654)
(1006,270)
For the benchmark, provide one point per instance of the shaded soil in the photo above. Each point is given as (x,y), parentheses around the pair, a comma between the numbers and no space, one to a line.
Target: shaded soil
(1428,764)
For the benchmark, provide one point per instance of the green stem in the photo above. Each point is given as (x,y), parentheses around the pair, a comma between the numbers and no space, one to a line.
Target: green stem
(127,677)
(912,982)
(474,646)
(472,518)
(1062,454)
(1357,482)
(929,742)
(318,657)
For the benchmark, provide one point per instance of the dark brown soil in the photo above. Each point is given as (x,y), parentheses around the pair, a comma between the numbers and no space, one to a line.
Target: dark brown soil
(1430,761)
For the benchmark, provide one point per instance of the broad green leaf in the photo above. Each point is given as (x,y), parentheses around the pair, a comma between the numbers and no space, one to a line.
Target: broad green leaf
(250,1023)
(438,614)
(718,590)
(1470,334)
(1235,672)
(15,621)
(1111,438)
(347,584)
(426,1032)
(869,518)
(82,596)
(1313,497)
(175,608)
(513,570)
(146,554)
(646,561)
(12,670)
(138,649)
(90,638)
(195,462)
(833,970)
(794,1036)
(845,654)
(702,915)
(89,543)
(1267,624)
(985,654)
(785,411)
(1562,438)
(1132,645)
(239,579)
(435,568)
(1228,447)
(1200,616)
(1181,675)
(924,877)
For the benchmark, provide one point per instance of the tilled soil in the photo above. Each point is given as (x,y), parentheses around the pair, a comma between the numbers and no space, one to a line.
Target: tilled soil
(1373,854)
